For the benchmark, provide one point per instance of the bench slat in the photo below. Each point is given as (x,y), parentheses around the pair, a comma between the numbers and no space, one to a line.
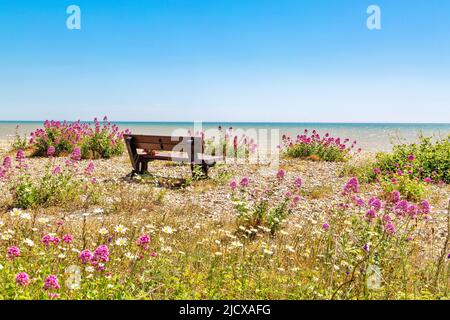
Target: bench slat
(165,147)
(137,139)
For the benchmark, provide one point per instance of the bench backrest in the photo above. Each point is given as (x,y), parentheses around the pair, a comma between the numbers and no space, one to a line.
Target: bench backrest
(165,143)
(191,145)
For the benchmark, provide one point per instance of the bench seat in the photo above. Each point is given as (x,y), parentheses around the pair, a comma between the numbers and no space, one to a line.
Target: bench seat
(178,157)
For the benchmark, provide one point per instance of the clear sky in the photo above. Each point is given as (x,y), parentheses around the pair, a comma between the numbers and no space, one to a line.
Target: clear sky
(226,60)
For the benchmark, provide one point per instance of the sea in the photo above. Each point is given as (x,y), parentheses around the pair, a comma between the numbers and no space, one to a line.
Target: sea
(369,136)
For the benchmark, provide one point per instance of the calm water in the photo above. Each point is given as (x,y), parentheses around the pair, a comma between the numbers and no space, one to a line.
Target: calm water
(369,136)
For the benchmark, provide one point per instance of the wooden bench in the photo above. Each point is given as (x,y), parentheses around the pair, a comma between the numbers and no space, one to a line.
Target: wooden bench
(145,148)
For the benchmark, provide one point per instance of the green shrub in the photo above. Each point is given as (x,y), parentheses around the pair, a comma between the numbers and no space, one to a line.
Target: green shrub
(102,140)
(426,159)
(256,208)
(409,188)
(57,186)
(19,143)
(49,190)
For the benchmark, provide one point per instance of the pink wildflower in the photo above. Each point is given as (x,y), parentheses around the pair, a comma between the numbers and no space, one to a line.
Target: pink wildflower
(401,208)
(90,168)
(85,256)
(298,182)
(51,151)
(56,170)
(371,214)
(375,203)
(51,282)
(55,240)
(412,211)
(325,226)
(13,252)
(244,182)
(22,279)
(395,196)
(358,201)
(143,241)
(233,184)
(48,239)
(101,254)
(424,207)
(389,228)
(280,174)
(76,154)
(7,162)
(20,155)
(352,185)
(67,238)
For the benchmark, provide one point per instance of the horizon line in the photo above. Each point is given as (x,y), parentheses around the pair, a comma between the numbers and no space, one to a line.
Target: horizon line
(225,122)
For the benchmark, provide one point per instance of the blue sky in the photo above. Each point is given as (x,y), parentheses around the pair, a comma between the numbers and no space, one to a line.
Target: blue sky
(226,60)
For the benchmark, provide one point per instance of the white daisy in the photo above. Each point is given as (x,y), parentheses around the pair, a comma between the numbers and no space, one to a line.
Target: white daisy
(166,249)
(89,269)
(130,256)
(15,212)
(25,216)
(236,244)
(121,242)
(43,220)
(98,211)
(167,230)
(120,229)
(290,248)
(29,242)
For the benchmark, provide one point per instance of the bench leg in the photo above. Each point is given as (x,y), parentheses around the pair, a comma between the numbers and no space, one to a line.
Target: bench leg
(204,168)
(132,174)
(144,167)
